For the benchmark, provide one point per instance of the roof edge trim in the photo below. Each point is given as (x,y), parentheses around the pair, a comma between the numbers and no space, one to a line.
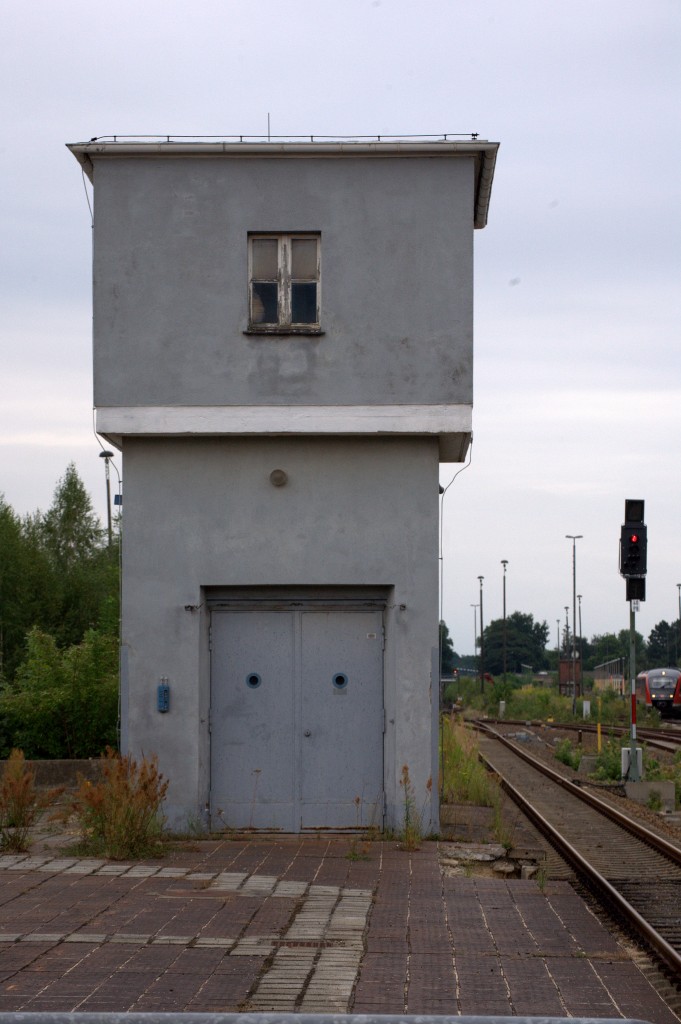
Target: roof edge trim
(484,153)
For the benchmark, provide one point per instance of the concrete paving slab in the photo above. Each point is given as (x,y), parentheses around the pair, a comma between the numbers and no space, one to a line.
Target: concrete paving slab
(389,934)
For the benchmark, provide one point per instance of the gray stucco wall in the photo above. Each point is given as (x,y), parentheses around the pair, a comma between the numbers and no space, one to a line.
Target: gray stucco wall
(171,291)
(203,514)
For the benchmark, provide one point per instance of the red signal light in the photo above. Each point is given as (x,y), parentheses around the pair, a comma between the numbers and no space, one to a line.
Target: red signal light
(633,537)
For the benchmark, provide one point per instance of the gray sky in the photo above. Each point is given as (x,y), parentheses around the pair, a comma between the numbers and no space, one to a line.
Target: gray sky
(578,373)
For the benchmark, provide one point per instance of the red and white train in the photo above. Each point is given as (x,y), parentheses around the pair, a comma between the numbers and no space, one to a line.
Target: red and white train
(660,688)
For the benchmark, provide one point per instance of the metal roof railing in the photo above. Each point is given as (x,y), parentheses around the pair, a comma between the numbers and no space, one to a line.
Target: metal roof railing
(267,137)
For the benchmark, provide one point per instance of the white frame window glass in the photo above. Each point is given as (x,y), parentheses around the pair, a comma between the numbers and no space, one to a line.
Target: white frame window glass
(284,282)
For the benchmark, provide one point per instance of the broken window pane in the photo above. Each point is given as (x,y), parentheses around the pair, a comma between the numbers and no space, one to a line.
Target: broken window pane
(265,303)
(303,303)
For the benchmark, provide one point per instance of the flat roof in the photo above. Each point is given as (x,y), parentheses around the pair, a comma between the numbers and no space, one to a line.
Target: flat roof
(158,147)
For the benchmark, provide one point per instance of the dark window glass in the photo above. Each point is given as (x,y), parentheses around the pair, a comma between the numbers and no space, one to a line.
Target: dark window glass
(265,303)
(303,302)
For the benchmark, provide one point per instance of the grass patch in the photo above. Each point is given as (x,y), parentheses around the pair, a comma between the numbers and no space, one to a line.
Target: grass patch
(465,779)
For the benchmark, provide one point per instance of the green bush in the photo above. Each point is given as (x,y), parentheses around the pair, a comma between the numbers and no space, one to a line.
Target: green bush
(609,762)
(538,702)
(63,703)
(567,754)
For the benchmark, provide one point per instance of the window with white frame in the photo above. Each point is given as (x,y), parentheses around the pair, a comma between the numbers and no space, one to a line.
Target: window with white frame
(284,282)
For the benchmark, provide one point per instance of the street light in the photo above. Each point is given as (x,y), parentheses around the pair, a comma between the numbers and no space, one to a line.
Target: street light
(475,629)
(504,562)
(106,455)
(482,642)
(567,635)
(579,615)
(574,537)
(678,632)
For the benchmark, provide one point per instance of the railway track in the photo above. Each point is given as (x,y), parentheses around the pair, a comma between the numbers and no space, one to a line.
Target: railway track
(636,873)
(668,737)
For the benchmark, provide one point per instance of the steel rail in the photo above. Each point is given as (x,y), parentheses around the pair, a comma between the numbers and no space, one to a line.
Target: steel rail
(593,878)
(659,843)
(187,1017)
(653,736)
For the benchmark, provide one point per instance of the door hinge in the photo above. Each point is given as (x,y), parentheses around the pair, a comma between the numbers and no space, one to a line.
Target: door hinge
(210,638)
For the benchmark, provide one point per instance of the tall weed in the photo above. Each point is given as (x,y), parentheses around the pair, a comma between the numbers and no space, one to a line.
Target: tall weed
(20,803)
(120,816)
(412,824)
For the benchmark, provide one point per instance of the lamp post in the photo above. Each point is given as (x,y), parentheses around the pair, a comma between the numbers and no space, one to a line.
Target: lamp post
(579,619)
(482,642)
(567,638)
(678,632)
(558,639)
(475,629)
(574,538)
(504,562)
(106,455)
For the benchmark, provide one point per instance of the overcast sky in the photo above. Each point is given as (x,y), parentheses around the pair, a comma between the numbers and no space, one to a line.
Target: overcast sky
(577,379)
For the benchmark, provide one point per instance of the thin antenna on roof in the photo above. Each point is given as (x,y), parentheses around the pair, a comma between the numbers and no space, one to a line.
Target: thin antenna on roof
(268,128)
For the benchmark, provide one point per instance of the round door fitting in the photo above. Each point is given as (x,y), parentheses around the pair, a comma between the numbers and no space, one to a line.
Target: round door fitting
(278,478)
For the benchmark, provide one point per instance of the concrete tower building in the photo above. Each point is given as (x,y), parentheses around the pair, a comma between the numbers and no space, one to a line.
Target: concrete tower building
(283,352)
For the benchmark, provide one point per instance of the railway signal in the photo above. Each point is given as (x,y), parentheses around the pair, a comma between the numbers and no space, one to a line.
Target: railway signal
(633,566)
(634,549)
(636,588)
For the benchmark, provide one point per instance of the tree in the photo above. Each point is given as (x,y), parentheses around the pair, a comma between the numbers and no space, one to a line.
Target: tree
(24,586)
(639,647)
(609,646)
(56,573)
(64,701)
(449,659)
(663,644)
(525,643)
(604,647)
(71,529)
(85,571)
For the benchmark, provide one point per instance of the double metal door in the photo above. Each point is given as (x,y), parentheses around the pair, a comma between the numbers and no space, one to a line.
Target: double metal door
(296,718)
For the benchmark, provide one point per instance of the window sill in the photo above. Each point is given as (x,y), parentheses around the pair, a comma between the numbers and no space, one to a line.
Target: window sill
(282,332)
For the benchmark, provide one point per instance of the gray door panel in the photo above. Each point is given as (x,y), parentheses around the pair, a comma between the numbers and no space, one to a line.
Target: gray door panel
(296,718)
(252,720)
(342,719)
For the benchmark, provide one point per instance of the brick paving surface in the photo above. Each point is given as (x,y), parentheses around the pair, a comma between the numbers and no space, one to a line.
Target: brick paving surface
(307,925)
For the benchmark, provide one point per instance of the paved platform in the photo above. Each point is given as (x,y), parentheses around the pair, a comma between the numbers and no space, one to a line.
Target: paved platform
(305,925)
